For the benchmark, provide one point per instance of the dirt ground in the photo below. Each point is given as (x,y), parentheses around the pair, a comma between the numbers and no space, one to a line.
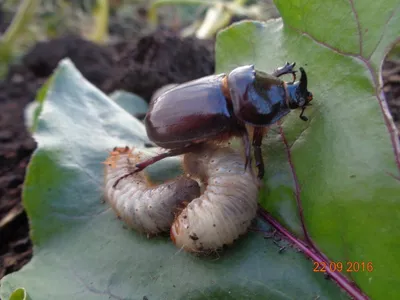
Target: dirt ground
(141,66)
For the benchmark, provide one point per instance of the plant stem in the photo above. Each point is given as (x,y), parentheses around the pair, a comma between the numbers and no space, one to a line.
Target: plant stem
(217,17)
(100,26)
(152,13)
(23,16)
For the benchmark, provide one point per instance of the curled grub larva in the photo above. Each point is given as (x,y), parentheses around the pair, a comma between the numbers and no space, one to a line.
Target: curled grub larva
(144,207)
(227,205)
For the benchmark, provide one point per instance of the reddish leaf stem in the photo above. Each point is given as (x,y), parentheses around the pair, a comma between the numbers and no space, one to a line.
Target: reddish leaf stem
(349,286)
(297,189)
(309,247)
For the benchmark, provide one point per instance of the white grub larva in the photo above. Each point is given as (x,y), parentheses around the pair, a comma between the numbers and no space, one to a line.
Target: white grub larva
(227,205)
(144,207)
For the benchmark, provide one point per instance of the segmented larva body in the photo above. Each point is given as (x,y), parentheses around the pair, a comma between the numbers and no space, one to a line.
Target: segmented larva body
(144,207)
(227,205)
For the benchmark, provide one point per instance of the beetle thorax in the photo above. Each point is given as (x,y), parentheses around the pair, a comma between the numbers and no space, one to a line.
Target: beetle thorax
(293,99)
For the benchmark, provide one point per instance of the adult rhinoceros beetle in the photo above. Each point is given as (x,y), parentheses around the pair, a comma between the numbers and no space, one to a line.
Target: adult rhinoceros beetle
(218,107)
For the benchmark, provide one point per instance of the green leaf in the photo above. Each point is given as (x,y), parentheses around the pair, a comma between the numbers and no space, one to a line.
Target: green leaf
(19,294)
(33,109)
(343,164)
(16,29)
(100,15)
(132,103)
(81,249)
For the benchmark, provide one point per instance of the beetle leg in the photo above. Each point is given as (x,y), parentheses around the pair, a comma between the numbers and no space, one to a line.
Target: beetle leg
(286,69)
(304,118)
(257,141)
(247,148)
(154,159)
(149,145)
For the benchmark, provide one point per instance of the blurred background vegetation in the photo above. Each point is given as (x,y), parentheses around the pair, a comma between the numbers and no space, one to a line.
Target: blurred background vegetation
(23,23)
(108,22)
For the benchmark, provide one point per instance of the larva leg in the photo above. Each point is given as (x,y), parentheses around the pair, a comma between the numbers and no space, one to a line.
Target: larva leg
(154,159)
(257,140)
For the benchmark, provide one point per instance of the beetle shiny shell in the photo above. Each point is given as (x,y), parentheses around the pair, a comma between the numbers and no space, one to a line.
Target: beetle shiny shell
(218,107)
(142,206)
(227,205)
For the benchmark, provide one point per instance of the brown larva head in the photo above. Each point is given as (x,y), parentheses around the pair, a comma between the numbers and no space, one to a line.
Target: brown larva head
(120,150)
(114,155)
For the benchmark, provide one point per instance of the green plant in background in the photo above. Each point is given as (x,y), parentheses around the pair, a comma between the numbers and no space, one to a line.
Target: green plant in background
(394,54)
(89,18)
(19,24)
(332,181)
(17,28)
(100,15)
(19,294)
(37,20)
(218,15)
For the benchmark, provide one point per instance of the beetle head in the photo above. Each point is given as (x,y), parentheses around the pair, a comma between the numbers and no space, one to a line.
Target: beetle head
(299,96)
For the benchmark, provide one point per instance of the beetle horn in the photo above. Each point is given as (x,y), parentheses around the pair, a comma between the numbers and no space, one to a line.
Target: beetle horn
(303,82)
(304,94)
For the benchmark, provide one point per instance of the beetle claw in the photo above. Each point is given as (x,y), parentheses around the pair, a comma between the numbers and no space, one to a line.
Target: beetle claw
(304,118)
(286,69)
(294,76)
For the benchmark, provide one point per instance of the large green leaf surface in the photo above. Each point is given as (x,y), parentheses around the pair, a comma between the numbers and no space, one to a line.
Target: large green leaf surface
(343,164)
(81,249)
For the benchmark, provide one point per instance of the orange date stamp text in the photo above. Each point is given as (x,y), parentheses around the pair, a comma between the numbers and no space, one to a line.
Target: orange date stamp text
(348,266)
